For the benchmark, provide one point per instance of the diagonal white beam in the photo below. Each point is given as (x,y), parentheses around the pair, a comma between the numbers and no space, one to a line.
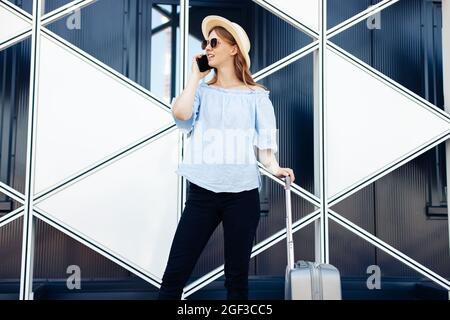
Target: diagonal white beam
(363,15)
(11,7)
(65,11)
(267,71)
(295,188)
(10,192)
(10,217)
(8,43)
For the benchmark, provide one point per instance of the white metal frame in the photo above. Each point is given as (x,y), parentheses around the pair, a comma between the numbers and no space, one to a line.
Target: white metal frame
(322,203)
(446,79)
(323,174)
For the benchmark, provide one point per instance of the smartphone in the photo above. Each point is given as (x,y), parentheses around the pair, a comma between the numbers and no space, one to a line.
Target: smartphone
(202,63)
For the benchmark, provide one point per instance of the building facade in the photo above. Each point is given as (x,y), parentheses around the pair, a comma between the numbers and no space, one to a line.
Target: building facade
(88,146)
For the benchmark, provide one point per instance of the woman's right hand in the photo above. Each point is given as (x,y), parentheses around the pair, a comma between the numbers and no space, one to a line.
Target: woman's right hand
(196,71)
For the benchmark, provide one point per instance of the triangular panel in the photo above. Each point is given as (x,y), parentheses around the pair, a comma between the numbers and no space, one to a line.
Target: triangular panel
(84,115)
(127,208)
(370,124)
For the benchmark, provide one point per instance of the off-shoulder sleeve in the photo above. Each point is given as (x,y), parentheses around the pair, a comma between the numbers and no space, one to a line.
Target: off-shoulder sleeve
(186,126)
(265,125)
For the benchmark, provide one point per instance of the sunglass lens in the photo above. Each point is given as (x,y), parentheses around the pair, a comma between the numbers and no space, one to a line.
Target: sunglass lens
(213,42)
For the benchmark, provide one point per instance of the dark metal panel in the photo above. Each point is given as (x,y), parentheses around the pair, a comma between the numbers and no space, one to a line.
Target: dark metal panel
(51,5)
(14,82)
(353,257)
(101,32)
(20,128)
(397,50)
(26,5)
(402,221)
(10,250)
(55,252)
(338,10)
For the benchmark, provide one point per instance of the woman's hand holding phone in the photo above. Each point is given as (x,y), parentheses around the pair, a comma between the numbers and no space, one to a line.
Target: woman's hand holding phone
(196,70)
(182,107)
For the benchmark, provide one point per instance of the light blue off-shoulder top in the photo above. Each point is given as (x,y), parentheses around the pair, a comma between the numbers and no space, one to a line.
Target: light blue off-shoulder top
(225,126)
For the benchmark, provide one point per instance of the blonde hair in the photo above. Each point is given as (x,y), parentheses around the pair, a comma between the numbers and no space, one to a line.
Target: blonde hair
(240,64)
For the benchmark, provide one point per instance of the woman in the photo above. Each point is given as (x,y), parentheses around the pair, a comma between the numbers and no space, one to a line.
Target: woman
(230,107)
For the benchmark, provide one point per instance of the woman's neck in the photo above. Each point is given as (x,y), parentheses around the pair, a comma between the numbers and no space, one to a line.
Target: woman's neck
(226,77)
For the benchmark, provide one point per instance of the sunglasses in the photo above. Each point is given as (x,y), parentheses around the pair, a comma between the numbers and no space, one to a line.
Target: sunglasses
(214,42)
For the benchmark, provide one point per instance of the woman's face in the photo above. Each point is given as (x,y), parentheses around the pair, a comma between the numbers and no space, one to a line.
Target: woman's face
(222,54)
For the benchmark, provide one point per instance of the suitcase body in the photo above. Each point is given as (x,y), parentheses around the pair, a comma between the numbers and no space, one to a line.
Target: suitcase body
(312,281)
(305,280)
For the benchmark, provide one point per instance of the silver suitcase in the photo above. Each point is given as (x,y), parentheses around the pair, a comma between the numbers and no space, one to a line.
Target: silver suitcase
(307,280)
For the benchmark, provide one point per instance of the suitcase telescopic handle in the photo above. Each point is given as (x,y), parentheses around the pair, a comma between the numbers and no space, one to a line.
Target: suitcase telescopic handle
(289,237)
(287,181)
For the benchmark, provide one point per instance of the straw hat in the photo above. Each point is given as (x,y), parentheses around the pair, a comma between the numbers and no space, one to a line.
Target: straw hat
(236,30)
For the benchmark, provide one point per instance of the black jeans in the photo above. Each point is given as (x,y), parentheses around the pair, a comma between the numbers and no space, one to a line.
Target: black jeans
(239,213)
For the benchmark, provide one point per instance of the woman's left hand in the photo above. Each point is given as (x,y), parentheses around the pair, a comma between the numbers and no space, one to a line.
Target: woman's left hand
(284,172)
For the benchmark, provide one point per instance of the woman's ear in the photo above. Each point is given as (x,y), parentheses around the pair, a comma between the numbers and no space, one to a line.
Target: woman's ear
(234,50)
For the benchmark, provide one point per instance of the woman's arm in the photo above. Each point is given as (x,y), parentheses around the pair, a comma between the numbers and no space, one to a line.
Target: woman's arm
(267,158)
(182,108)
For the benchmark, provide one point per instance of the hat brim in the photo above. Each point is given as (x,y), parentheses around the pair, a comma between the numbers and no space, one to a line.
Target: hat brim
(213,21)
